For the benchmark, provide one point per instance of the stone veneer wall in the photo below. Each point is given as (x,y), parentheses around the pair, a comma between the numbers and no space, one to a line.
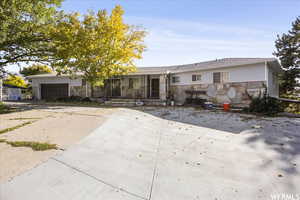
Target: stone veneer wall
(234,93)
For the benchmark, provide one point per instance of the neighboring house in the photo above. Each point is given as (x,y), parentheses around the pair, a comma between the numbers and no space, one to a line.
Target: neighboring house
(1,89)
(224,80)
(11,92)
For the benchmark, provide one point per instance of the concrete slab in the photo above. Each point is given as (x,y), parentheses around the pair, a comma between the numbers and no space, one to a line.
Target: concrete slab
(55,180)
(121,152)
(135,155)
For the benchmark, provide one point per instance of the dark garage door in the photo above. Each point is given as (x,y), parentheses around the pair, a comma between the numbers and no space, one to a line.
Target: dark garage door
(54,91)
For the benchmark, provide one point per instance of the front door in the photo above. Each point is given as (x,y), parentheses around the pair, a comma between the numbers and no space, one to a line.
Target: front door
(116,87)
(155,88)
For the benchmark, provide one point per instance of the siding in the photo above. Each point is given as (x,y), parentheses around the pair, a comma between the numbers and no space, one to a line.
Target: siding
(72,82)
(236,74)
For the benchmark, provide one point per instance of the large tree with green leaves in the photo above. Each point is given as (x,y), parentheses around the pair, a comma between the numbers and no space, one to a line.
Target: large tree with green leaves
(35,69)
(24,26)
(98,46)
(288,52)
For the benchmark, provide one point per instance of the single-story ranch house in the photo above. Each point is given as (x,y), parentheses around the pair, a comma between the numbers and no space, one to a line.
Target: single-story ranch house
(229,80)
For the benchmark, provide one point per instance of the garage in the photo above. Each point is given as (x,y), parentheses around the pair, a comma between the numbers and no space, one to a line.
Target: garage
(54,91)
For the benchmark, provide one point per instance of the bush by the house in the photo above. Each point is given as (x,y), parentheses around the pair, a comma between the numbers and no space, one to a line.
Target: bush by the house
(195,101)
(265,105)
(291,107)
(74,99)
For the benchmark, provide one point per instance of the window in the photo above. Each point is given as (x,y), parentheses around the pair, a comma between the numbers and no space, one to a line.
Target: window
(196,77)
(220,77)
(175,79)
(83,82)
(217,77)
(133,83)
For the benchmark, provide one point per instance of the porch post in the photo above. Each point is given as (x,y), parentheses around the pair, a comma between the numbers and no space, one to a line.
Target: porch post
(162,87)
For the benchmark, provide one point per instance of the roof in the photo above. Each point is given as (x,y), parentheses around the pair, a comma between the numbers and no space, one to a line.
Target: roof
(207,65)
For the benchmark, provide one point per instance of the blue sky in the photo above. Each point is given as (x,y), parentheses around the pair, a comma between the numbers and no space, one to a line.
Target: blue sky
(187,31)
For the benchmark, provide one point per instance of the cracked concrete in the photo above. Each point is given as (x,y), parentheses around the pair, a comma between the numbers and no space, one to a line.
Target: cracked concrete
(136,155)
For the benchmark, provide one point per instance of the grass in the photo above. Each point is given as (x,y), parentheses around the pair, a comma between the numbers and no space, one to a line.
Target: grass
(36,146)
(2,140)
(15,127)
(25,118)
(4,109)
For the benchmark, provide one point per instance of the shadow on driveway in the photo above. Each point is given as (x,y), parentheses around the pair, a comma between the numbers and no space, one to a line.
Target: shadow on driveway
(279,135)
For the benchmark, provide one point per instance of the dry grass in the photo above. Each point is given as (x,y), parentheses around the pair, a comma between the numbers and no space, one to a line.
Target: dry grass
(15,127)
(25,118)
(36,146)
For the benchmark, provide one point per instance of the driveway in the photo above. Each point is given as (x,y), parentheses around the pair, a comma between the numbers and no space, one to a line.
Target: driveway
(139,154)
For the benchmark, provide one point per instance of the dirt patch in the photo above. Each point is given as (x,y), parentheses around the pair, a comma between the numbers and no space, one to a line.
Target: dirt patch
(62,126)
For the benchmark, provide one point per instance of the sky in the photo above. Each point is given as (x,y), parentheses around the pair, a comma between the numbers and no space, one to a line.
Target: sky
(189,31)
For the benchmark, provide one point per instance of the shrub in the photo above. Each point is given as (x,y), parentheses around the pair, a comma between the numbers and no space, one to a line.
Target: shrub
(70,99)
(4,108)
(86,99)
(195,101)
(265,105)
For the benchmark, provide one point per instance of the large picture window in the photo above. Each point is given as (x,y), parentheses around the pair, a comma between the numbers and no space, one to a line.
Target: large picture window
(133,83)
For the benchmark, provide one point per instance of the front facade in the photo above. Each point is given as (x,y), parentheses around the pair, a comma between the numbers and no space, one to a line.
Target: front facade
(227,80)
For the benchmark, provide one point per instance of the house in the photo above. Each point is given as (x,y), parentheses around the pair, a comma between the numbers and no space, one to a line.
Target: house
(11,92)
(223,80)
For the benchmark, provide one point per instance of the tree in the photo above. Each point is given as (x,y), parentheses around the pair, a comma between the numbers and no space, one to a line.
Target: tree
(35,69)
(288,52)
(15,80)
(99,46)
(24,26)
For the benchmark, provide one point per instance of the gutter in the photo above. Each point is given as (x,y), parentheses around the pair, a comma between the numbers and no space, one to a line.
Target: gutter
(216,68)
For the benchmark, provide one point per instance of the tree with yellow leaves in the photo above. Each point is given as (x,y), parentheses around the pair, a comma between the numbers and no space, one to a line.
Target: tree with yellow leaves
(98,47)
(15,80)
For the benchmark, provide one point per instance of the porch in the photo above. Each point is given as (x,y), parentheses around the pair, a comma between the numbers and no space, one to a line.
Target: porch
(134,87)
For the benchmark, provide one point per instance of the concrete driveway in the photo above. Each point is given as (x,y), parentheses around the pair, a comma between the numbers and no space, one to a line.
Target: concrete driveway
(136,155)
